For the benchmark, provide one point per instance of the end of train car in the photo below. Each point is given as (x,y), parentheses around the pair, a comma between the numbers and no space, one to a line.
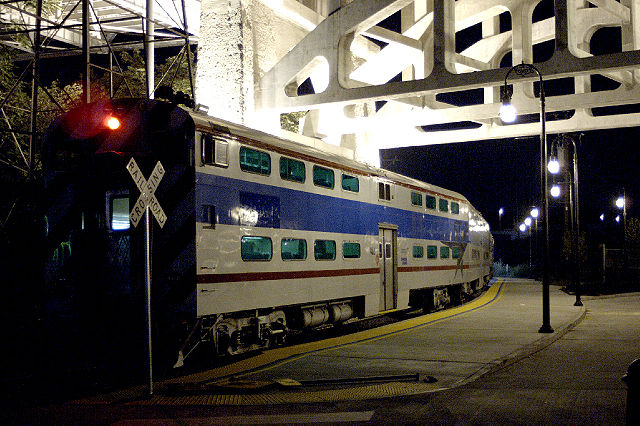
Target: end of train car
(263,235)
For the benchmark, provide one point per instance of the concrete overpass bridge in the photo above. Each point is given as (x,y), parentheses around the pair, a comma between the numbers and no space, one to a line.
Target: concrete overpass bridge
(372,74)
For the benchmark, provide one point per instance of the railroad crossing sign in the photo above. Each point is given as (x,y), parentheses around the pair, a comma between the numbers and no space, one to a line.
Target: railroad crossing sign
(146,198)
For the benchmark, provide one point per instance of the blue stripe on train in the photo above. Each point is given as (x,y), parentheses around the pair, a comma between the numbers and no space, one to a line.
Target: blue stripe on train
(238,202)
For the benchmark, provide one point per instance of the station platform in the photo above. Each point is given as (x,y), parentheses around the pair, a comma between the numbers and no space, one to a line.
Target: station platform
(477,361)
(427,353)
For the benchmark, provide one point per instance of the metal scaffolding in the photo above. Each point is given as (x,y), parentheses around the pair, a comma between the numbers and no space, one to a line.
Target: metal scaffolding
(50,31)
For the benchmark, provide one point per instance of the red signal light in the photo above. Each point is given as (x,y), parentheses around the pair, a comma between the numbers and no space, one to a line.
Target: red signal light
(112,122)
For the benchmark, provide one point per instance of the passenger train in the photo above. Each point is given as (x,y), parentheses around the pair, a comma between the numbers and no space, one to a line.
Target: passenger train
(263,236)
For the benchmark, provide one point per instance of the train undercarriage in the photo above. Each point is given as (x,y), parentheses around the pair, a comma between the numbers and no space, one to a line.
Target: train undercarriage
(240,332)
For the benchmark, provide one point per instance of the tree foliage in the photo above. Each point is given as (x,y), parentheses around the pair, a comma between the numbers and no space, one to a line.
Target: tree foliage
(58,96)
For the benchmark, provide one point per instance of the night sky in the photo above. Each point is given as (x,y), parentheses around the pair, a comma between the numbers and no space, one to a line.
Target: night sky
(505,173)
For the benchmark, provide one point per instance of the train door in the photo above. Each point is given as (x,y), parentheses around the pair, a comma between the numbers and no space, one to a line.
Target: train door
(388,267)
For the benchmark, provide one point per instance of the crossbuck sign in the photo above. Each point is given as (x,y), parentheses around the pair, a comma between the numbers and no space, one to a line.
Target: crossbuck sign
(146,198)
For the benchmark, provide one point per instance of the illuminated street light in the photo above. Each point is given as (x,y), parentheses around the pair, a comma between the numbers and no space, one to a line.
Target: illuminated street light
(602,217)
(620,202)
(618,218)
(553,166)
(500,213)
(523,227)
(527,221)
(507,114)
(535,213)
(555,191)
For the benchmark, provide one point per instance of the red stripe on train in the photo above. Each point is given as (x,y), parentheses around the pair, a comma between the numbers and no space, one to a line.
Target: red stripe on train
(291,275)
(287,275)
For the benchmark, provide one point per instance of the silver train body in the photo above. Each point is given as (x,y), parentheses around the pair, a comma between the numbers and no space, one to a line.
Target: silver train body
(265,235)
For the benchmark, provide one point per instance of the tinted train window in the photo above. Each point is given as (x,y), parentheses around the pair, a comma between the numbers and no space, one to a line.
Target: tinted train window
(256,248)
(351,250)
(293,170)
(416,199)
(215,151)
(455,207)
(255,161)
(444,252)
(209,217)
(323,177)
(432,252)
(293,249)
(418,252)
(120,213)
(384,191)
(350,183)
(430,202)
(443,205)
(324,250)
(455,252)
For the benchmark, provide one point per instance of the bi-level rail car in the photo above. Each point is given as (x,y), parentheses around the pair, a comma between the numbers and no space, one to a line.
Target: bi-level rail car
(262,235)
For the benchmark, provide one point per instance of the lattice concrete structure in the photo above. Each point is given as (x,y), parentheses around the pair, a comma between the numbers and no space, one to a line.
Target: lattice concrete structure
(266,49)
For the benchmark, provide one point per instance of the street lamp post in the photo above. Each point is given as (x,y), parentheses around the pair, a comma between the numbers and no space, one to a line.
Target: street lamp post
(535,213)
(574,205)
(621,203)
(528,223)
(506,108)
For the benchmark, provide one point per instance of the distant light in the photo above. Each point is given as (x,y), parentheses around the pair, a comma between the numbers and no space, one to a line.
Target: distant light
(602,217)
(553,166)
(507,112)
(112,122)
(620,202)
(535,212)
(523,227)
(501,211)
(527,221)
(618,218)
(555,191)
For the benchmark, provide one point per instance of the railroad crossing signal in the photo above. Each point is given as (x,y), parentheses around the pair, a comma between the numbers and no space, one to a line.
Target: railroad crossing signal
(146,198)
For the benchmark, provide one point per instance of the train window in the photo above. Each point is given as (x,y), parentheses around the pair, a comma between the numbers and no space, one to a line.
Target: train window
(455,252)
(291,169)
(256,248)
(209,217)
(455,207)
(418,252)
(255,161)
(324,250)
(384,191)
(323,177)
(430,202)
(432,252)
(443,205)
(215,152)
(293,249)
(444,252)
(351,250)
(416,198)
(119,213)
(350,183)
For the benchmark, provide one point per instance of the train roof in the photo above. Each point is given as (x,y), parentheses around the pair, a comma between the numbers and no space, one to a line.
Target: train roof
(316,148)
